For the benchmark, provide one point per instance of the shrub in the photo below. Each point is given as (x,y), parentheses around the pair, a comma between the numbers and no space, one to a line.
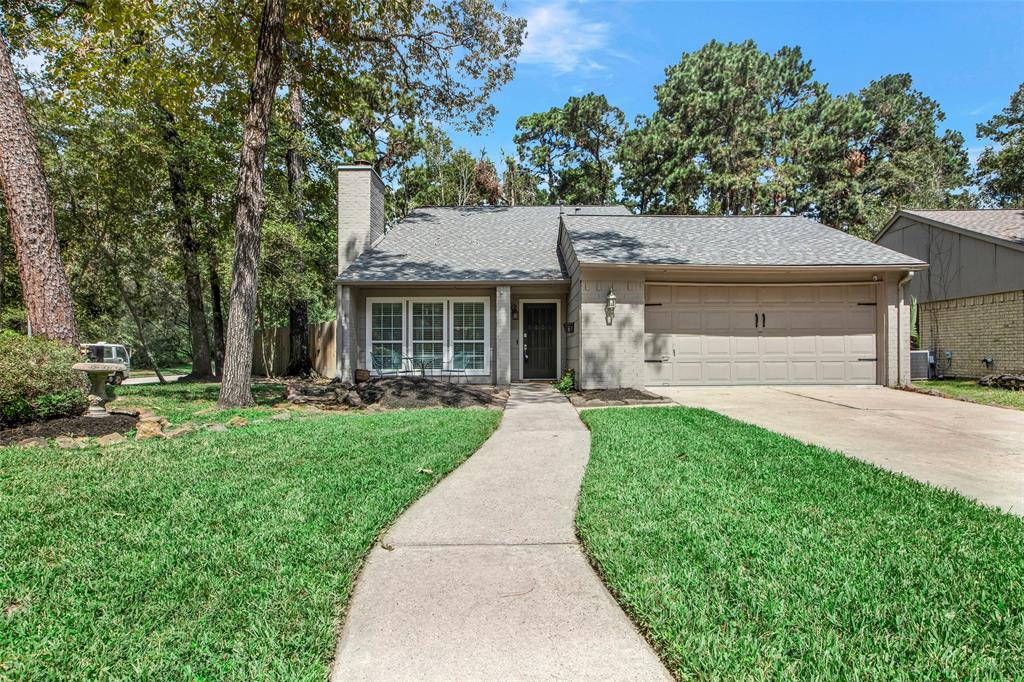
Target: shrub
(567,382)
(36,379)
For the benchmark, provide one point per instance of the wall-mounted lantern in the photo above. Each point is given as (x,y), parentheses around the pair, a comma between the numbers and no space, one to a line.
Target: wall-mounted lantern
(569,327)
(609,307)
(515,312)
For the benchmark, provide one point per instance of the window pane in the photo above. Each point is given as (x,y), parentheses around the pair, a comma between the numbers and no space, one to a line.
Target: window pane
(389,355)
(468,321)
(468,355)
(428,355)
(428,321)
(386,322)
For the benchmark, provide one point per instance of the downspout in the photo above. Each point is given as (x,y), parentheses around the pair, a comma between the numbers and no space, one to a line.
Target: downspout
(899,326)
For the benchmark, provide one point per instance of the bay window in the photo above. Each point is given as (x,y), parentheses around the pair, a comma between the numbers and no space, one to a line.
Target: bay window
(432,333)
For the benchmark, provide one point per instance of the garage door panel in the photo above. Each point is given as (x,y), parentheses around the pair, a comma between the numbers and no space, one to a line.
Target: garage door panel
(832,345)
(659,373)
(750,335)
(656,294)
(746,372)
(712,345)
(774,345)
(687,345)
(741,295)
(775,372)
(745,345)
(658,346)
(803,372)
(801,346)
(861,344)
(687,372)
(715,294)
(658,320)
(716,320)
(864,372)
(861,318)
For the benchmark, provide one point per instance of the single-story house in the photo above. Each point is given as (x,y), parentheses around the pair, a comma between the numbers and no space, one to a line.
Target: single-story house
(971,300)
(521,293)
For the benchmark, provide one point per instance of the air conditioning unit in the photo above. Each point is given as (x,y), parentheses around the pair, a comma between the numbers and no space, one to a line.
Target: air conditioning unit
(921,362)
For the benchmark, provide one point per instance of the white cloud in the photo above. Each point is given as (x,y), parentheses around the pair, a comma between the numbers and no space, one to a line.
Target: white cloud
(559,36)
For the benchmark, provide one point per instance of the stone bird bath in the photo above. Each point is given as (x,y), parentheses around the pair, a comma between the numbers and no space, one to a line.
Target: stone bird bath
(98,373)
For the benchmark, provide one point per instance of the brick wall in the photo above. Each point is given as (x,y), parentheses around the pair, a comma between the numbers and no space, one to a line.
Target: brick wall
(973,328)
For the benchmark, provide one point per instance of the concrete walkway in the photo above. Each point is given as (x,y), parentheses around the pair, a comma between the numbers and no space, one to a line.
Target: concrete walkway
(482,579)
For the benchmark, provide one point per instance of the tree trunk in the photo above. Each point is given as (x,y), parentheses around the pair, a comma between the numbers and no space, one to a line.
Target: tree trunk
(177,169)
(218,309)
(235,388)
(44,284)
(298,309)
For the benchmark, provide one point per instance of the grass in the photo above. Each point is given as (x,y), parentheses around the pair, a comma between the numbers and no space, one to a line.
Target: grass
(744,554)
(194,402)
(968,389)
(183,368)
(212,556)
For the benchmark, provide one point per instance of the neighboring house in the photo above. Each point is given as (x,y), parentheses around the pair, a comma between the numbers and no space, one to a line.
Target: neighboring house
(520,293)
(971,300)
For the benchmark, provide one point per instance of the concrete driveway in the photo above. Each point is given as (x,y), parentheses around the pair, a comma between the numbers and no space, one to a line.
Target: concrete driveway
(974,449)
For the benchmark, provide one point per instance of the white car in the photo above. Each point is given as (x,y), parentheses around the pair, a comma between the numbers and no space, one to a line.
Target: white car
(110,352)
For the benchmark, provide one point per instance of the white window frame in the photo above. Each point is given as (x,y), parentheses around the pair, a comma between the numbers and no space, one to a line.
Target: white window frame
(445,315)
(369,326)
(447,343)
(558,334)
(488,349)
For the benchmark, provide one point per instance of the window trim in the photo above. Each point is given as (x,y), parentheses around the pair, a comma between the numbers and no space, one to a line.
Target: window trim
(410,342)
(369,326)
(407,342)
(488,350)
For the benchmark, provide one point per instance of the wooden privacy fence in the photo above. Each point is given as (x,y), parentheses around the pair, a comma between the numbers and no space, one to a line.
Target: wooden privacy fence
(271,349)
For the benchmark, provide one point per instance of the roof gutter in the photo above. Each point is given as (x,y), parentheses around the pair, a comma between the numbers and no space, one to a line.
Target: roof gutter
(761,268)
(447,282)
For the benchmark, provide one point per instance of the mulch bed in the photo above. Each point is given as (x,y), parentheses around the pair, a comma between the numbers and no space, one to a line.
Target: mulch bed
(394,393)
(69,426)
(609,397)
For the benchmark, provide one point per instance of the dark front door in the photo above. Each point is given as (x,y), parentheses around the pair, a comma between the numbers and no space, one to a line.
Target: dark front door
(540,351)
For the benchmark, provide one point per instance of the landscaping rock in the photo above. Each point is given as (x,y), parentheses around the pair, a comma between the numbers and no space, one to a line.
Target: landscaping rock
(147,428)
(353,400)
(1011,382)
(69,443)
(216,428)
(110,439)
(179,430)
(36,442)
(237,421)
(281,416)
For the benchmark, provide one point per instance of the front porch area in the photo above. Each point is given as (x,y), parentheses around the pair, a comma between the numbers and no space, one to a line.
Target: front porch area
(466,333)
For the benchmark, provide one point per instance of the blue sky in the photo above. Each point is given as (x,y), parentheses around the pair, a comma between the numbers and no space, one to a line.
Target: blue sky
(967,56)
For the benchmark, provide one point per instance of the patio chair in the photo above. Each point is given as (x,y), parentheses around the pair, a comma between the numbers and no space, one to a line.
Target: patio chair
(455,368)
(406,366)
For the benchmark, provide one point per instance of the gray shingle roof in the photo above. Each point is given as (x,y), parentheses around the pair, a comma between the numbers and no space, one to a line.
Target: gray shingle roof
(718,240)
(470,243)
(1001,223)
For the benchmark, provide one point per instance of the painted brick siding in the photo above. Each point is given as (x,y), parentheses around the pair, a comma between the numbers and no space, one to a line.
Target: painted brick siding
(612,354)
(973,328)
(360,212)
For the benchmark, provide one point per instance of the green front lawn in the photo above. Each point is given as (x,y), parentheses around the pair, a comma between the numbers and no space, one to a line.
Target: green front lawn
(968,389)
(194,402)
(212,556)
(744,554)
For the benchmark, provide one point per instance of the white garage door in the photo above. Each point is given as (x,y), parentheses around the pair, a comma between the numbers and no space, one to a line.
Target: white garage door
(760,335)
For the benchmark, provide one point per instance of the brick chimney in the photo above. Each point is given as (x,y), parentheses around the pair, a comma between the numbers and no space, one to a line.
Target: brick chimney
(360,211)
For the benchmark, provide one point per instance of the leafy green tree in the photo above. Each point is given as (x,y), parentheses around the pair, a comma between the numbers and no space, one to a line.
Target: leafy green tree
(1001,166)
